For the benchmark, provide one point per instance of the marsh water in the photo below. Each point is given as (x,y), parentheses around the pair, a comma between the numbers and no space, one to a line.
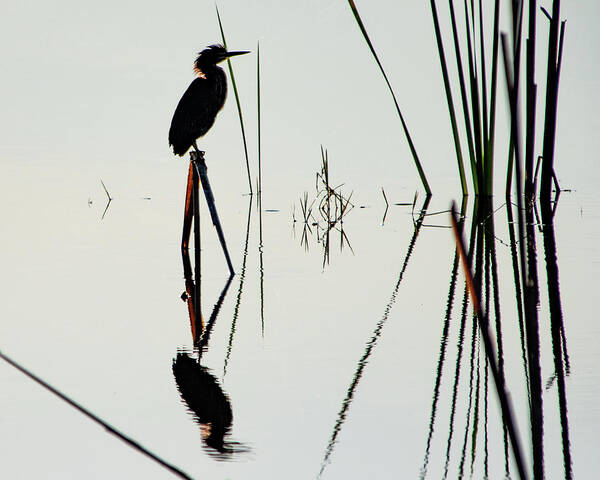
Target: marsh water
(332,353)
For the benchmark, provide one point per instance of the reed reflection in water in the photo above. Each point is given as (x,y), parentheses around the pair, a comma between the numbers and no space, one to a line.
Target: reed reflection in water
(475,449)
(371,344)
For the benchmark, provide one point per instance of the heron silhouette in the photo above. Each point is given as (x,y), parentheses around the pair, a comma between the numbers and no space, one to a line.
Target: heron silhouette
(204,98)
(194,116)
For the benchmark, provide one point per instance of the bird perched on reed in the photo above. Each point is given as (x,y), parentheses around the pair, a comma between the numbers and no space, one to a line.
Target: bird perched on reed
(199,105)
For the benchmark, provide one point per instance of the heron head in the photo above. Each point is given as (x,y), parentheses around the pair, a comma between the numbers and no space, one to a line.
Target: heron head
(212,55)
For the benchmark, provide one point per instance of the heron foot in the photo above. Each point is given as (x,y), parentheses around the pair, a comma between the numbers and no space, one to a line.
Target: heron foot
(196,154)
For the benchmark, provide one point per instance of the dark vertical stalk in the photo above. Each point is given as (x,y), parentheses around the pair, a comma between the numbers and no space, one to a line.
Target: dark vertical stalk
(364,360)
(471,401)
(260,225)
(489,166)
(551,106)
(491,252)
(518,291)
(464,98)
(450,102)
(484,108)
(507,415)
(442,354)
(261,266)
(530,102)
(529,281)
(517,17)
(556,329)
(486,390)
(238,300)
(460,344)
(476,412)
(533,349)
(475,103)
(258,115)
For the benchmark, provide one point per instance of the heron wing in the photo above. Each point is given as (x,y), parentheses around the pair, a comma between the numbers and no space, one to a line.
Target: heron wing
(194,115)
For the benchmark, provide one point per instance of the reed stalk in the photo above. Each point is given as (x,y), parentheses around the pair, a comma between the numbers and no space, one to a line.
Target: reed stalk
(464,98)
(258,115)
(551,104)
(448,90)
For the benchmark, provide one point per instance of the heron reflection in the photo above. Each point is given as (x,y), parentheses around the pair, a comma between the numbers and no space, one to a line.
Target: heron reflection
(200,390)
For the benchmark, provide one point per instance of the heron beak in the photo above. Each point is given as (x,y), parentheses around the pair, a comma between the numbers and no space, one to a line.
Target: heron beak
(233,54)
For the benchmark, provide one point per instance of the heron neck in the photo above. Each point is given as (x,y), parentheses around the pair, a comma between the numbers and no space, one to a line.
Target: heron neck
(208,70)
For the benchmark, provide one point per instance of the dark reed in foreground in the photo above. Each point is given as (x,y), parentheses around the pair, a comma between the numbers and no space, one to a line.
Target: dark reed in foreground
(109,428)
(490,351)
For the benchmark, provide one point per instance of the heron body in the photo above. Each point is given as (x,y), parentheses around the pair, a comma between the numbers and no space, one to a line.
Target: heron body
(204,98)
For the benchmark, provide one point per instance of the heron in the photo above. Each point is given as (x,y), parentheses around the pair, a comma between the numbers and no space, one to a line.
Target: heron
(193,117)
(204,98)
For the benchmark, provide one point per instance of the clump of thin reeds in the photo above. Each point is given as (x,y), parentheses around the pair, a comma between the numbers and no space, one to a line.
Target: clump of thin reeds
(326,211)
(478,98)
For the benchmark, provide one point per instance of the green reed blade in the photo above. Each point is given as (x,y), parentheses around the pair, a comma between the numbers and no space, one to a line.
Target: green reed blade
(440,46)
(258,110)
(487,170)
(474,97)
(465,101)
(237,100)
(489,166)
(404,126)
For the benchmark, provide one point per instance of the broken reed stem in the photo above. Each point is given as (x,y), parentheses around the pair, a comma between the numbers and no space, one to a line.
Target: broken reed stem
(105,190)
(387,204)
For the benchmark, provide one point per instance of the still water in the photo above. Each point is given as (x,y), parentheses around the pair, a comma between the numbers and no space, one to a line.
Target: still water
(331,369)
(359,359)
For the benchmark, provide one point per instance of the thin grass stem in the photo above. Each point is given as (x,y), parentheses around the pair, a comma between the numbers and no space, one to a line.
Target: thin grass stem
(237,101)
(258,115)
(465,101)
(448,90)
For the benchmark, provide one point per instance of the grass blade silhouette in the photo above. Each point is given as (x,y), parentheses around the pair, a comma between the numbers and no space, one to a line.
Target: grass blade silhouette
(237,101)
(404,126)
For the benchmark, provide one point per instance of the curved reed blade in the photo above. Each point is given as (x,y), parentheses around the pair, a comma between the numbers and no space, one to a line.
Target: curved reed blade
(237,100)
(404,126)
